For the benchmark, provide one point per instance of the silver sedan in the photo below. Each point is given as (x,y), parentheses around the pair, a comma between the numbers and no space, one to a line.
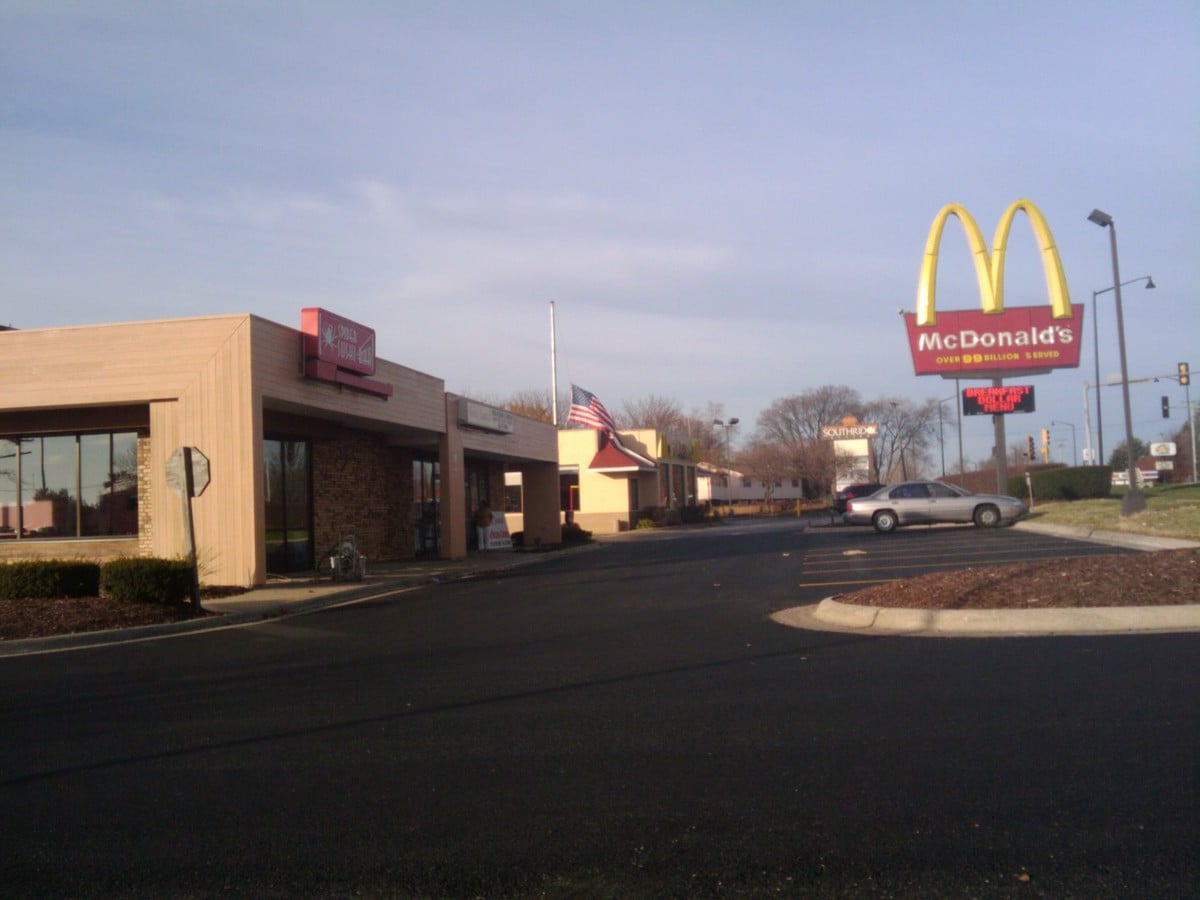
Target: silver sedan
(928,502)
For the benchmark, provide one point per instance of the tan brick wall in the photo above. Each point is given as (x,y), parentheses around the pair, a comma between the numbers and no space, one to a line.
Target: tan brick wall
(365,486)
(145,519)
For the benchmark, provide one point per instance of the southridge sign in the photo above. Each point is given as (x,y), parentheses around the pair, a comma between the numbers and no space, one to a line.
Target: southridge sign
(993,342)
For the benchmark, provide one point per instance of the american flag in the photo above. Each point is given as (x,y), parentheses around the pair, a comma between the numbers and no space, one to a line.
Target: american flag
(588,411)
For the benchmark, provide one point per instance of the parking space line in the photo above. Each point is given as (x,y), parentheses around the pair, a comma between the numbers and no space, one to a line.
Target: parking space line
(808,584)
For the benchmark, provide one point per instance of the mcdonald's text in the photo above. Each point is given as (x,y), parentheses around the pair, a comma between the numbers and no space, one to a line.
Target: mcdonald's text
(977,344)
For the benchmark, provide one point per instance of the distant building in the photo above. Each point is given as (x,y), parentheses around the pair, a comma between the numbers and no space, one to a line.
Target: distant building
(720,486)
(608,485)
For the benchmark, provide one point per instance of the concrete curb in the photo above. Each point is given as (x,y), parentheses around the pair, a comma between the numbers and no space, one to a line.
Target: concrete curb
(1111,538)
(829,614)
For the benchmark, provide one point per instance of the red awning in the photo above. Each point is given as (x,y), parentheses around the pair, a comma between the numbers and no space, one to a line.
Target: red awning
(612,457)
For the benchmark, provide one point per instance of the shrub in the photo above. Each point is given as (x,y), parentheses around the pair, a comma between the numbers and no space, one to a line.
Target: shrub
(646,523)
(49,578)
(573,534)
(652,513)
(1079,483)
(147,580)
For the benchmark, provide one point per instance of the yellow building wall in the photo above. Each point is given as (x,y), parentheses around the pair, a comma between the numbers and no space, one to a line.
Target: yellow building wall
(603,497)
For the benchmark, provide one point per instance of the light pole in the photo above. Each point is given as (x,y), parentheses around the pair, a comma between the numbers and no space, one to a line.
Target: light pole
(1134,501)
(1074,446)
(728,471)
(1096,353)
(941,434)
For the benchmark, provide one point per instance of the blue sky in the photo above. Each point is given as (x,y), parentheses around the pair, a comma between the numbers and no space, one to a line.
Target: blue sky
(727,202)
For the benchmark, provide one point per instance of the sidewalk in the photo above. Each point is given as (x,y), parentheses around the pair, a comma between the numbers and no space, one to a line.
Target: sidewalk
(287,596)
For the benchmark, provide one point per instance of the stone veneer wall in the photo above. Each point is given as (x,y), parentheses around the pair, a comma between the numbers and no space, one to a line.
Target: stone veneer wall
(362,484)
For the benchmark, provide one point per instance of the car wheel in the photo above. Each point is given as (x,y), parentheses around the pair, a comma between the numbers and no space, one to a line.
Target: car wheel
(884,521)
(987,517)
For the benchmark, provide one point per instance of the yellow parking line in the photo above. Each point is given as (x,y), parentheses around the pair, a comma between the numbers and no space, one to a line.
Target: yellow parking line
(942,554)
(807,584)
(987,560)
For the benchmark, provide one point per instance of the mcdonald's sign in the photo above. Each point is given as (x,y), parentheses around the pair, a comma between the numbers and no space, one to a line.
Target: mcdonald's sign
(994,342)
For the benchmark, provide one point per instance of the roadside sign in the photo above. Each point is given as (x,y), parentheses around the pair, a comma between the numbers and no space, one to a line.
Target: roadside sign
(177,471)
(187,476)
(1163,448)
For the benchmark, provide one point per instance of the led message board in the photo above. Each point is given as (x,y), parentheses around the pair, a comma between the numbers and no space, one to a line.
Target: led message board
(997,401)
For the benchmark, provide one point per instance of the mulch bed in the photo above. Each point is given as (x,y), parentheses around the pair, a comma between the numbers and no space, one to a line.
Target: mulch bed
(1160,578)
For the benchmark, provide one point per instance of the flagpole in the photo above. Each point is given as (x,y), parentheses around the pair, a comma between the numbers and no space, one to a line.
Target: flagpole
(553,371)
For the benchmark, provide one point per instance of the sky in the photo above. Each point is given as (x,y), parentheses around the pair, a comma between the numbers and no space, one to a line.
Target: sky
(727,203)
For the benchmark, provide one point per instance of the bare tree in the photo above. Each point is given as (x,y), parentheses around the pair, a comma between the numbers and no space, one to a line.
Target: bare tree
(765,460)
(907,430)
(794,423)
(660,413)
(534,404)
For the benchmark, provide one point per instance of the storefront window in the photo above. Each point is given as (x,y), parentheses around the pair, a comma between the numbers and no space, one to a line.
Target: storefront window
(425,509)
(8,489)
(69,486)
(288,506)
(108,483)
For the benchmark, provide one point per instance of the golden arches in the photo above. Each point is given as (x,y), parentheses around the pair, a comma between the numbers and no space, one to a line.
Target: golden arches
(989,268)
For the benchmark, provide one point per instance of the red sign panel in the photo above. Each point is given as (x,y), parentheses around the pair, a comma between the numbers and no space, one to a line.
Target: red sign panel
(997,401)
(332,339)
(974,344)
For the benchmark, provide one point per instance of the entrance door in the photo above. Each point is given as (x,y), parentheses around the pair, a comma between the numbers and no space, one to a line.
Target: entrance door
(425,506)
(478,493)
(288,483)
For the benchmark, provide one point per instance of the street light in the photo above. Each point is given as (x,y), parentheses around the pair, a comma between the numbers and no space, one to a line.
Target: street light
(1074,446)
(1096,353)
(1134,501)
(721,423)
(896,437)
(941,434)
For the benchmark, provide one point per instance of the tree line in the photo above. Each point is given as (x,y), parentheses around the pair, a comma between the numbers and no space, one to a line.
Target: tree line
(785,442)
(916,438)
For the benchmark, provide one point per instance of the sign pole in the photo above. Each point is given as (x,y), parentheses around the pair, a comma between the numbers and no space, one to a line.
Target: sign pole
(189,534)
(1001,448)
(962,465)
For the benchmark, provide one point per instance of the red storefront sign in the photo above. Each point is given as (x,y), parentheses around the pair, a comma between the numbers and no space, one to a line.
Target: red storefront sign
(974,344)
(339,350)
(330,338)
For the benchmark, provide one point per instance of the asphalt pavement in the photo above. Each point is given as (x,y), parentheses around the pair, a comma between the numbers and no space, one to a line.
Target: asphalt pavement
(292,596)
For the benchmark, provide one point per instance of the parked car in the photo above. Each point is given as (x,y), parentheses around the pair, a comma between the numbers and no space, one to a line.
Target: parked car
(928,502)
(850,491)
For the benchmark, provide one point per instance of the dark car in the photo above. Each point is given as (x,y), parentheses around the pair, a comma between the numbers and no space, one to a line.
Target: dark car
(850,491)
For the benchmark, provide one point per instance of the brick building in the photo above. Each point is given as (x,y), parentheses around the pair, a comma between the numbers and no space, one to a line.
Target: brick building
(303,446)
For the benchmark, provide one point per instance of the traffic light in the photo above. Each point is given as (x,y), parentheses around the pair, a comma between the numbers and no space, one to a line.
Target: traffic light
(1166,406)
(1046,443)
(1029,454)
(1184,377)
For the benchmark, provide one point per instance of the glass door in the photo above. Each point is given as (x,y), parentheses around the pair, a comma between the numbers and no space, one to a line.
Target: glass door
(288,485)
(425,506)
